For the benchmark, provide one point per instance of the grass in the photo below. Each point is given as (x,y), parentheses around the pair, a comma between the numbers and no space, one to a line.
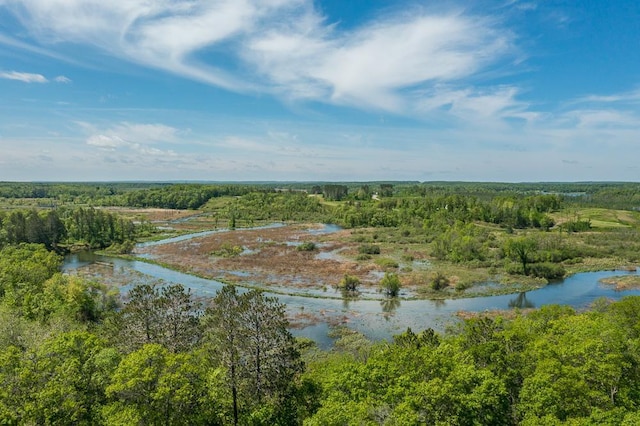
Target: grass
(601,218)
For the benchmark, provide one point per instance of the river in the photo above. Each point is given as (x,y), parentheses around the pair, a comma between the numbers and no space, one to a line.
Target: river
(377,319)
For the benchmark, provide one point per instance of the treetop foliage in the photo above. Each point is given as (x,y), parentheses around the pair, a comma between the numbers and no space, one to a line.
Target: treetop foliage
(94,227)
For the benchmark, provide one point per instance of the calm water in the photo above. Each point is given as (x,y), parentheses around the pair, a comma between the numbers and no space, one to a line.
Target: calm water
(379,319)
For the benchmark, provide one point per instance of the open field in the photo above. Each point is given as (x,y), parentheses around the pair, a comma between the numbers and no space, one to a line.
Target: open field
(600,218)
(154,215)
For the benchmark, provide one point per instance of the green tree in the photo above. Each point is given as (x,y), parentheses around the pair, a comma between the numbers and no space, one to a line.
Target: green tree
(166,315)
(349,284)
(60,382)
(581,363)
(23,271)
(223,329)
(154,386)
(390,284)
(409,384)
(248,335)
(521,249)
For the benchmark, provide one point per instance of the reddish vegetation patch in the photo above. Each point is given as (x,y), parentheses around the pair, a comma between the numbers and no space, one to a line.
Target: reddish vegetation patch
(621,283)
(270,257)
(304,319)
(494,313)
(154,215)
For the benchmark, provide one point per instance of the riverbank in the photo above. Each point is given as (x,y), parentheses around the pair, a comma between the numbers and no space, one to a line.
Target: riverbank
(377,319)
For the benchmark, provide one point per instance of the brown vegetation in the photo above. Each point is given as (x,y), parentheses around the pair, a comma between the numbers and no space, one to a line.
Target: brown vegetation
(269,257)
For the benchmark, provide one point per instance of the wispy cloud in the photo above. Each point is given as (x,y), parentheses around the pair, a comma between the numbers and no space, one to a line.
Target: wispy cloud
(22,46)
(485,107)
(609,111)
(600,118)
(131,137)
(285,47)
(62,79)
(373,66)
(25,77)
(625,97)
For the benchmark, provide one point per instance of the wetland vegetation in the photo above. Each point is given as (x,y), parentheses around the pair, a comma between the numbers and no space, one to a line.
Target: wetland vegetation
(74,351)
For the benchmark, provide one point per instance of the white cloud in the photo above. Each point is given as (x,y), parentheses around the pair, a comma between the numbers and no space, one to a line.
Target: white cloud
(105,142)
(477,106)
(159,34)
(131,137)
(602,118)
(145,133)
(626,97)
(548,148)
(379,61)
(372,66)
(22,46)
(24,77)
(281,46)
(62,79)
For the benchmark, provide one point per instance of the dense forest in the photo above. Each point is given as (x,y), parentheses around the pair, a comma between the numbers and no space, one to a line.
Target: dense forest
(53,227)
(75,351)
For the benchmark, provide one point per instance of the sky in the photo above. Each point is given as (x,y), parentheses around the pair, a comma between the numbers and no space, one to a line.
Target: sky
(324,90)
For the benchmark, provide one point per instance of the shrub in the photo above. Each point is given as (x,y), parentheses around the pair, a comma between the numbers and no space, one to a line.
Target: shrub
(576,225)
(387,263)
(307,246)
(550,271)
(513,268)
(124,248)
(227,250)
(439,282)
(462,285)
(369,249)
(390,284)
(349,283)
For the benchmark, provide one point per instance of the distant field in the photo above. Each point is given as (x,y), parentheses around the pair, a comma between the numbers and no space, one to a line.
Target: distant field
(601,218)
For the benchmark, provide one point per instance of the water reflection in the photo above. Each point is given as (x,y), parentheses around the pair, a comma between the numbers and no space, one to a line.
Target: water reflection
(362,313)
(439,303)
(390,304)
(521,301)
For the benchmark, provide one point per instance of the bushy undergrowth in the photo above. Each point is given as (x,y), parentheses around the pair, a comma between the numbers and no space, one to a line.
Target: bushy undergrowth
(369,249)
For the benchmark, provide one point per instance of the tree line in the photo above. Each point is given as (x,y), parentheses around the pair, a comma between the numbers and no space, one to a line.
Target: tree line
(618,195)
(53,227)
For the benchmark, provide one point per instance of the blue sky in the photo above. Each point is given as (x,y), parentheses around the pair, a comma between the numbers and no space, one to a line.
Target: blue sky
(503,90)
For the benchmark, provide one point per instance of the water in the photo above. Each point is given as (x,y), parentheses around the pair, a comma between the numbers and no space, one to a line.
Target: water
(377,319)
(200,234)
(380,319)
(327,228)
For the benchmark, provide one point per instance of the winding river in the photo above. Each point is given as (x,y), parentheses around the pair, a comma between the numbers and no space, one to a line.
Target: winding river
(377,319)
